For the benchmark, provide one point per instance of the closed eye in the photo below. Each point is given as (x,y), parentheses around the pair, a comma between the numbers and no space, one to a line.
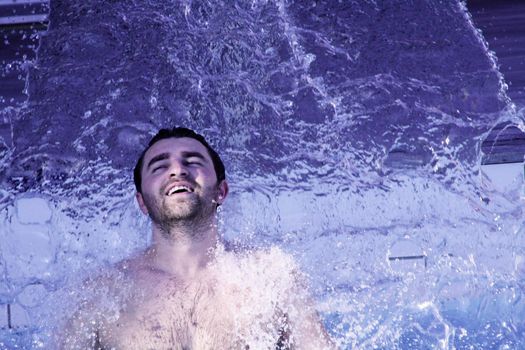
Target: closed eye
(193,161)
(157,168)
(194,158)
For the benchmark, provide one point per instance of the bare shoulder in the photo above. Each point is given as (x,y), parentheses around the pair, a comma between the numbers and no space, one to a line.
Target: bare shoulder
(99,289)
(273,255)
(279,272)
(106,281)
(282,266)
(273,258)
(92,302)
(258,268)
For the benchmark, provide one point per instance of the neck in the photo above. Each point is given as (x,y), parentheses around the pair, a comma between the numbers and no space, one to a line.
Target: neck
(183,251)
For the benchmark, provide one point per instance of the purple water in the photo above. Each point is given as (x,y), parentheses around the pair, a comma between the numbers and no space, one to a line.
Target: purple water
(351,133)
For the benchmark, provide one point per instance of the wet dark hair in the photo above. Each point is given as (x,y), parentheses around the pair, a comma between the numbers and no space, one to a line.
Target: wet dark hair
(179,132)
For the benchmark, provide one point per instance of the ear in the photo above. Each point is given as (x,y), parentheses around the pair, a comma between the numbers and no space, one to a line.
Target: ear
(140,201)
(222,192)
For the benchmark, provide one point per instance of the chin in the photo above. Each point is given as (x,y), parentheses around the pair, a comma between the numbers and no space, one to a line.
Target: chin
(181,212)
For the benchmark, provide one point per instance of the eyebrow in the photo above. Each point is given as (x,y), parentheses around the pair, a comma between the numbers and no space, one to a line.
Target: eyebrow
(164,156)
(158,158)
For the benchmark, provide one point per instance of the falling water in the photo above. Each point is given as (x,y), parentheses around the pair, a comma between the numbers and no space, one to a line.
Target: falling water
(351,133)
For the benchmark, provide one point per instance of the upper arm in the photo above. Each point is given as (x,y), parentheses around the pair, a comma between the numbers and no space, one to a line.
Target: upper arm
(296,319)
(80,331)
(303,328)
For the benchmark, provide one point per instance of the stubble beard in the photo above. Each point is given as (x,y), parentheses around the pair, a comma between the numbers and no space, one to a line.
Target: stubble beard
(188,214)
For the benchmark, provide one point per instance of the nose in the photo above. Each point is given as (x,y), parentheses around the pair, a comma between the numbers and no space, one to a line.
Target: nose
(178,169)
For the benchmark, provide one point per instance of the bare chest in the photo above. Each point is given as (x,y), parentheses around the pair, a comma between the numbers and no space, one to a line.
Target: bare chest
(200,316)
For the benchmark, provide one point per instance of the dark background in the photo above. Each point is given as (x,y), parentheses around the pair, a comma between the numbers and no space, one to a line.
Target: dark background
(502,23)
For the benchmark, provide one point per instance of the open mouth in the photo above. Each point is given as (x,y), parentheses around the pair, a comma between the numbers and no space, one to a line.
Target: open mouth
(179,189)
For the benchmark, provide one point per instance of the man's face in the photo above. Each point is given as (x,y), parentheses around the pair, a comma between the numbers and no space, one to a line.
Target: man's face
(179,183)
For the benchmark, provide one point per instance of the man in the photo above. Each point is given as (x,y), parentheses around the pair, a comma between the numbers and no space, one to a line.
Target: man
(185,291)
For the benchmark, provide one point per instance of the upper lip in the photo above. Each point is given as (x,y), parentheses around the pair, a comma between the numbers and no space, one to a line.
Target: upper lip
(173,185)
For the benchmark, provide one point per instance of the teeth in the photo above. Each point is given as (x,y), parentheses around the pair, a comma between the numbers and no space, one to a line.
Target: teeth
(177,189)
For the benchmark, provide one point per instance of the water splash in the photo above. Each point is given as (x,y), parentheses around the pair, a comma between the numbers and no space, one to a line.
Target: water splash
(348,130)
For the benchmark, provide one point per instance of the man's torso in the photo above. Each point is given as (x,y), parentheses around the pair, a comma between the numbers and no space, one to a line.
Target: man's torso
(233,304)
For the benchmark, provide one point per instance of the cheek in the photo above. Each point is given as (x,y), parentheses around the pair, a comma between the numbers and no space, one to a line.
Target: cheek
(150,185)
(208,178)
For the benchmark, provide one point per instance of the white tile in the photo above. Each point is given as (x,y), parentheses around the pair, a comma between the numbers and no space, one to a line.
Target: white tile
(19,317)
(3,316)
(33,210)
(406,256)
(28,252)
(32,295)
(503,177)
(404,264)
(22,2)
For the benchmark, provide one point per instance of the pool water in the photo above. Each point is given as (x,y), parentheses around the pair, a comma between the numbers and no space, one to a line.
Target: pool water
(351,133)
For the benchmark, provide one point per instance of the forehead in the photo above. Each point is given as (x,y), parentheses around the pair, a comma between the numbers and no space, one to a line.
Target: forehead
(176,146)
